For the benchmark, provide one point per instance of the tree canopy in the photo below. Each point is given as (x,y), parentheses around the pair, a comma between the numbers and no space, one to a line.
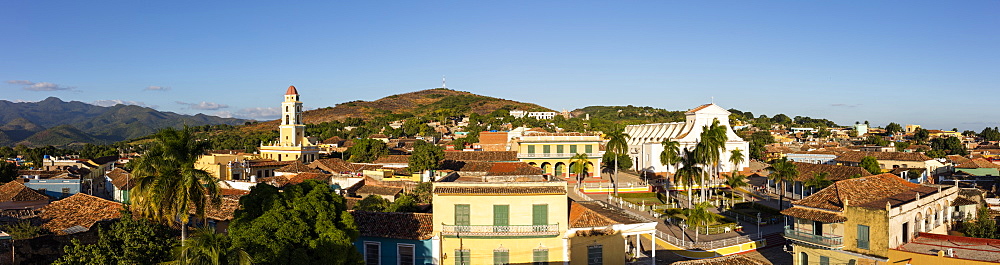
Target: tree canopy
(425,156)
(870,164)
(366,150)
(303,224)
(893,128)
(129,240)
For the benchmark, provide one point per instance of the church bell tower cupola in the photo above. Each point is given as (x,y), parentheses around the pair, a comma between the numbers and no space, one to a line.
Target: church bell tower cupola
(292,128)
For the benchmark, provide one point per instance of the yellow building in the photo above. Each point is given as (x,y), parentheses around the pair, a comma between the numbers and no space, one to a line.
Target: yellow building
(553,152)
(238,166)
(858,221)
(495,218)
(292,143)
(600,234)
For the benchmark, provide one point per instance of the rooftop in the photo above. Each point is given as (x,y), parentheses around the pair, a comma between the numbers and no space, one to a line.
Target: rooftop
(297,167)
(121,179)
(977,163)
(291,91)
(968,248)
(416,226)
(493,168)
(869,192)
(501,190)
(15,191)
(595,214)
(856,156)
(807,170)
(78,210)
(379,190)
(491,156)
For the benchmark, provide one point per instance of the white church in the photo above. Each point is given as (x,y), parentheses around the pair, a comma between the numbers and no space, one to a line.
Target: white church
(645,142)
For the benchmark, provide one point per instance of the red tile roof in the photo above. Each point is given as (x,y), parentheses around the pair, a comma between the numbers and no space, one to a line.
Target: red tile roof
(594,214)
(493,156)
(297,167)
(808,170)
(15,191)
(379,190)
(494,168)
(392,159)
(415,226)
(291,91)
(856,156)
(121,179)
(500,190)
(78,210)
(978,163)
(870,192)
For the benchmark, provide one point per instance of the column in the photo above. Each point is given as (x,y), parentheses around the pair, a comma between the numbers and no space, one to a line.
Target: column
(565,251)
(638,246)
(652,241)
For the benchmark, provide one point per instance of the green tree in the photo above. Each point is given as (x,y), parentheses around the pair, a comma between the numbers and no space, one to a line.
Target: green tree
(8,171)
(167,185)
(579,163)
(366,150)
(423,192)
(608,161)
(893,128)
(920,135)
(951,146)
(210,248)
(819,181)
(130,240)
(689,173)
(870,164)
(670,156)
(617,144)
(876,140)
(782,171)
(302,224)
(405,203)
(735,181)
(709,151)
(736,157)
(700,216)
(900,146)
(425,156)
(372,203)
(983,227)
(758,140)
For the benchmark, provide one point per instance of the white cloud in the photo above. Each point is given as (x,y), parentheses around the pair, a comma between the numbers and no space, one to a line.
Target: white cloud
(156,88)
(204,105)
(258,113)
(112,102)
(40,86)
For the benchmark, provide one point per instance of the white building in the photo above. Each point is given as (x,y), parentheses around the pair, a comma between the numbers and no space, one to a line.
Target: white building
(645,142)
(541,115)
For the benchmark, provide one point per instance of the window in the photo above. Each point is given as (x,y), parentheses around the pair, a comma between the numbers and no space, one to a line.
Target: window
(540,217)
(501,218)
(540,256)
(65,192)
(595,255)
(546,149)
(42,191)
(405,254)
(803,258)
(531,149)
(863,236)
(462,216)
(572,149)
(824,260)
(462,256)
(501,257)
(589,148)
(560,149)
(372,254)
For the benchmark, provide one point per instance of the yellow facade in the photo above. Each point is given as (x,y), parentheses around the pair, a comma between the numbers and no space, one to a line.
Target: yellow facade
(612,248)
(522,238)
(223,166)
(292,144)
(553,153)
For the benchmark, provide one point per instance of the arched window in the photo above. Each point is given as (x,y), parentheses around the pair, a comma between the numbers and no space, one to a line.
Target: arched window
(286,119)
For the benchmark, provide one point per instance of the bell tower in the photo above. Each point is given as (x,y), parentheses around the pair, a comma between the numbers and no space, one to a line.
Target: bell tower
(292,129)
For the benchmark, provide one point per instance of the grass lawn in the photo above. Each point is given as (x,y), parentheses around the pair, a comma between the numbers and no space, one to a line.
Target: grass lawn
(647,198)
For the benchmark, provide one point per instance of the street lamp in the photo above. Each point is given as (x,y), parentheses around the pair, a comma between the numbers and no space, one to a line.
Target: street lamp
(758,225)
(684,227)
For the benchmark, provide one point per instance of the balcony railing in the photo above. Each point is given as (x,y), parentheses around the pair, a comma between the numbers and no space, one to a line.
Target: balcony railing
(500,230)
(553,155)
(826,241)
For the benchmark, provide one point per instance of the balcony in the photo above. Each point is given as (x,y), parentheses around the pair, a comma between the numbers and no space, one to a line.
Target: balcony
(500,231)
(553,155)
(807,237)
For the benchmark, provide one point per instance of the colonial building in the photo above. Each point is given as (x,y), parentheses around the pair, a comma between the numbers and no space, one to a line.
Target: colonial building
(292,143)
(645,140)
(891,160)
(553,152)
(857,221)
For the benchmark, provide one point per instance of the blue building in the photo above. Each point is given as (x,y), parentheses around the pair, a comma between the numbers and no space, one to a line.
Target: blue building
(812,157)
(57,184)
(394,238)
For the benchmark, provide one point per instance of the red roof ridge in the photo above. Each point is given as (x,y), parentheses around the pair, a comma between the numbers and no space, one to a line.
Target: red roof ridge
(291,91)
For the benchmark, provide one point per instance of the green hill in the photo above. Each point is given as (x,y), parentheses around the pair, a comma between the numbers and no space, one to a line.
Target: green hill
(62,135)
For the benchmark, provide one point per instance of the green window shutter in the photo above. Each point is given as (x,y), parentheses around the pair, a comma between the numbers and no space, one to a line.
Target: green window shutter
(863,236)
(589,148)
(461,214)
(595,255)
(546,149)
(560,148)
(540,256)
(824,260)
(531,149)
(501,257)
(572,149)
(462,256)
(540,214)
(501,215)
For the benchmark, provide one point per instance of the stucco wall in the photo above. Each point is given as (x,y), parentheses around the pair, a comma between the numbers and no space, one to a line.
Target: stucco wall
(877,221)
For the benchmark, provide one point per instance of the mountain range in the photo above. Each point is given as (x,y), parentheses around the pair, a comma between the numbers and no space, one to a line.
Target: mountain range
(60,123)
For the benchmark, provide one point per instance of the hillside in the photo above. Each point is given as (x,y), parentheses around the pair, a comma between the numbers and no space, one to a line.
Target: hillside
(630,114)
(419,103)
(58,123)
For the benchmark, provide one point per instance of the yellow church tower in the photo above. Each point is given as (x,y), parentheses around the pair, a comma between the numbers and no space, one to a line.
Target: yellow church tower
(292,143)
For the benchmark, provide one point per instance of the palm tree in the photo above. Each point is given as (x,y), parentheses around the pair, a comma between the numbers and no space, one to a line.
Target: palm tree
(618,145)
(818,181)
(712,143)
(736,157)
(735,181)
(671,155)
(689,172)
(579,162)
(167,186)
(208,247)
(781,171)
(698,216)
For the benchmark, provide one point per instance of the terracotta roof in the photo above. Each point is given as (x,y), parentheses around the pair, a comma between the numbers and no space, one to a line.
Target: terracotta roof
(856,156)
(870,192)
(493,168)
(268,163)
(15,191)
(121,179)
(78,210)
(46,174)
(807,170)
(481,155)
(957,159)
(335,165)
(222,211)
(302,177)
(724,260)
(233,192)
(297,167)
(415,226)
(978,163)
(500,190)
(291,91)
(379,190)
(595,214)
(373,136)
(698,108)
(333,140)
(962,201)
(815,214)
(392,159)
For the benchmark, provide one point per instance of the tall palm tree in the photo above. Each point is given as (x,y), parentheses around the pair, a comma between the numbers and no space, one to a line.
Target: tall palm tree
(618,145)
(689,173)
(819,181)
(712,142)
(735,180)
(782,171)
(736,157)
(167,186)
(579,162)
(210,248)
(671,155)
(699,216)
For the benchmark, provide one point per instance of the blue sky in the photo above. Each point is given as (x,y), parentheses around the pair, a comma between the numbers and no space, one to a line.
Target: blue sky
(912,62)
